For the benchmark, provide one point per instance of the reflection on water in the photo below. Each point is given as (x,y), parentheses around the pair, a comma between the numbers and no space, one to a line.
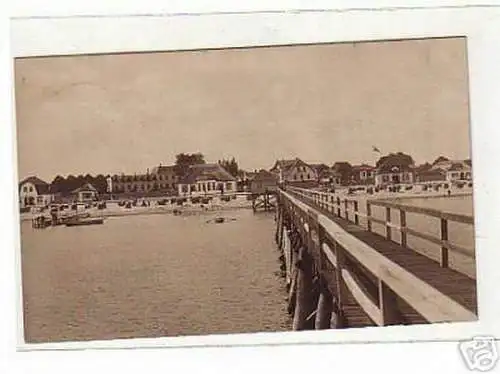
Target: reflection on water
(150,276)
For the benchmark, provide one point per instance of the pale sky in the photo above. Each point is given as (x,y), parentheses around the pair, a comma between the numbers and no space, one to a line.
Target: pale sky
(323,103)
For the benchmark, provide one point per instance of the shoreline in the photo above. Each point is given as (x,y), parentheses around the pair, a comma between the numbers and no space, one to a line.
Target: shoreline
(122,212)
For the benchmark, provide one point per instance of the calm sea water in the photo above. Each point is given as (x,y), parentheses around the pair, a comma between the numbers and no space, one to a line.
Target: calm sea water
(151,276)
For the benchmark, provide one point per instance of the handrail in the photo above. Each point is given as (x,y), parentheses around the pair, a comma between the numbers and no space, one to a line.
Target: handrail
(429,302)
(332,203)
(461,218)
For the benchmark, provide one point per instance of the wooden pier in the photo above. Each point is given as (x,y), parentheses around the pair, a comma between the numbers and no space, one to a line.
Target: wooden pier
(265,201)
(340,274)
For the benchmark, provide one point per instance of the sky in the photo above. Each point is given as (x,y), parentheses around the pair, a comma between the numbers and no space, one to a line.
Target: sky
(124,113)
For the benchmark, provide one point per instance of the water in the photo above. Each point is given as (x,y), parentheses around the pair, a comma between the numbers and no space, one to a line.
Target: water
(152,276)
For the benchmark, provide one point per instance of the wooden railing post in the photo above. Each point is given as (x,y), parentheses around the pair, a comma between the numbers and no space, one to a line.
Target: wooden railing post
(402,224)
(342,291)
(356,216)
(368,216)
(444,239)
(388,233)
(387,304)
(304,305)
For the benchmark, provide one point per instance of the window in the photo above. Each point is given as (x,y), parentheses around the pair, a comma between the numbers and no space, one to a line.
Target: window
(229,186)
(301,177)
(184,188)
(31,188)
(25,188)
(308,176)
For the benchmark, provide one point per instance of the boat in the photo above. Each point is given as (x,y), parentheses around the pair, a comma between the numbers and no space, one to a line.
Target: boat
(219,220)
(84,222)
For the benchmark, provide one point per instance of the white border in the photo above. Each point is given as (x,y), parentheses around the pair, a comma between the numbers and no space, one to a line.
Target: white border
(47,36)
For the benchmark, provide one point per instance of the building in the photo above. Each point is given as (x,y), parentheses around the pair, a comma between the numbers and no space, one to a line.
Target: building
(161,179)
(395,168)
(343,170)
(454,170)
(459,171)
(425,173)
(34,192)
(206,179)
(295,172)
(86,193)
(264,181)
(363,174)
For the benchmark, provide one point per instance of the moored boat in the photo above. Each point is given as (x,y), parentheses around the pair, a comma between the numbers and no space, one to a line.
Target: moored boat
(84,222)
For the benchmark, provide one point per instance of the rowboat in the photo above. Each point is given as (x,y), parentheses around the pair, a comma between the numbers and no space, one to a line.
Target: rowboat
(85,222)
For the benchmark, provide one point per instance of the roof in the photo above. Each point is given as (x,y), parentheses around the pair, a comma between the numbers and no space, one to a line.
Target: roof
(340,164)
(395,162)
(87,187)
(284,164)
(206,172)
(41,186)
(458,166)
(423,168)
(363,167)
(170,169)
(265,175)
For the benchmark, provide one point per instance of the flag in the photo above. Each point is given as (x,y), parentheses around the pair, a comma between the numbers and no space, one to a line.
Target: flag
(375,149)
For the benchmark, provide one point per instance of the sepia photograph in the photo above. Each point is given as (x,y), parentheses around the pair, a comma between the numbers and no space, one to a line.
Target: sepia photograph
(245,190)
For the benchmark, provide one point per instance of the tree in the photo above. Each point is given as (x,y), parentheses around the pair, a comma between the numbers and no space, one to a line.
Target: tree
(345,171)
(59,185)
(231,166)
(100,183)
(440,159)
(395,159)
(184,160)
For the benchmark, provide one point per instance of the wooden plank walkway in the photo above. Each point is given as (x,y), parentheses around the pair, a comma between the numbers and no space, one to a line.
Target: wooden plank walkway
(454,284)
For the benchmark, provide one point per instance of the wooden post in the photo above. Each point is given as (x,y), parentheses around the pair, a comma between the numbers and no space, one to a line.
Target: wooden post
(304,300)
(368,216)
(324,310)
(342,291)
(356,217)
(402,224)
(444,239)
(387,304)
(387,223)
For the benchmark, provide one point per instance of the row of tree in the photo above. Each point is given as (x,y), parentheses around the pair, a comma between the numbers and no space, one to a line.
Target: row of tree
(67,185)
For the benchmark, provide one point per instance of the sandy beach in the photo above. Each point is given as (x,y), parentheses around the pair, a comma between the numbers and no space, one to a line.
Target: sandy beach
(114,210)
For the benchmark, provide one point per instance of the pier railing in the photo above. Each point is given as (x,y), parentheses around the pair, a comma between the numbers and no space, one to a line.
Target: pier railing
(348,208)
(353,262)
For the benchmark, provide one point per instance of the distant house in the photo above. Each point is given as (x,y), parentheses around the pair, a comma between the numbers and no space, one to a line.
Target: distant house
(85,193)
(454,170)
(160,179)
(264,181)
(343,170)
(34,192)
(295,172)
(425,173)
(363,174)
(395,168)
(206,179)
(459,171)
